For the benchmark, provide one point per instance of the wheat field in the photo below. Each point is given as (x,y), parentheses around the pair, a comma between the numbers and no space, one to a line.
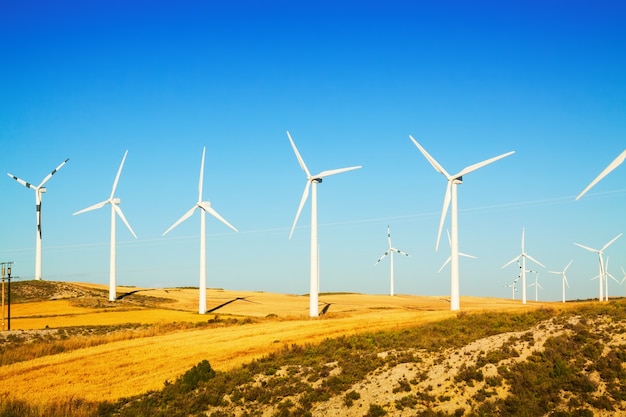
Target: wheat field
(124,368)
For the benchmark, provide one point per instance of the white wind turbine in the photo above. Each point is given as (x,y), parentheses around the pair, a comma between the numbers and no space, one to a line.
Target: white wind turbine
(39,190)
(450,257)
(513,287)
(624,278)
(205,207)
(115,209)
(608,275)
(537,285)
(311,182)
(390,252)
(616,162)
(563,277)
(523,257)
(600,261)
(450,198)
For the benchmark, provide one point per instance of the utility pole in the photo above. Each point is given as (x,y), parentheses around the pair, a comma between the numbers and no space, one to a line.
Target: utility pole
(6,268)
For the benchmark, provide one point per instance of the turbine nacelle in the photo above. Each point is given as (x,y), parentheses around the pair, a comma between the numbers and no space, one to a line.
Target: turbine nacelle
(116,201)
(458,180)
(41,190)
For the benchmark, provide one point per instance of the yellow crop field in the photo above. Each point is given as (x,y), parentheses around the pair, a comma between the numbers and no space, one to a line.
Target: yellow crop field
(127,367)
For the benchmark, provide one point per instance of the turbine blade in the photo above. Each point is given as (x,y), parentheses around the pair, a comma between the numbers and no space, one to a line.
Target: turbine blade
(21,181)
(182,219)
(400,252)
(201,180)
(430,159)
(467,256)
(300,160)
(474,167)
(611,242)
(54,171)
(444,212)
(388,236)
(93,207)
(305,195)
(381,258)
(510,262)
(444,264)
(534,260)
(117,176)
(118,210)
(570,262)
(335,171)
(565,279)
(207,207)
(586,247)
(616,162)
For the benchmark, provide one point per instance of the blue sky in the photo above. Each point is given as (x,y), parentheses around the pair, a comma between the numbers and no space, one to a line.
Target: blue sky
(469,80)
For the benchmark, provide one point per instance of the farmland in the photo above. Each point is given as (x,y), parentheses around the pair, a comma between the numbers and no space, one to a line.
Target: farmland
(95,350)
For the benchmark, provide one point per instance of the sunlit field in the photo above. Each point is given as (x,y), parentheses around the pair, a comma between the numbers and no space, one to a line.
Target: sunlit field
(240,326)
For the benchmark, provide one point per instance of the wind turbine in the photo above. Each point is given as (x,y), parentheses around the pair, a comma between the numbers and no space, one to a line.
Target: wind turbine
(450,198)
(564,278)
(537,285)
(513,287)
(450,257)
(115,209)
(623,279)
(608,275)
(523,257)
(616,162)
(39,190)
(311,182)
(390,252)
(600,260)
(205,207)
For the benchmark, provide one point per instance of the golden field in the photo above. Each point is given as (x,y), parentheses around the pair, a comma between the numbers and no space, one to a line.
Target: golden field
(125,367)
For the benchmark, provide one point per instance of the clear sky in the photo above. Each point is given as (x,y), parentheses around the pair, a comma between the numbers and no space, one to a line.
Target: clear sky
(351,81)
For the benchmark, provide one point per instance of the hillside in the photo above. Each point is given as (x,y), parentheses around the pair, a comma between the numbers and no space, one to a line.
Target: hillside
(370,355)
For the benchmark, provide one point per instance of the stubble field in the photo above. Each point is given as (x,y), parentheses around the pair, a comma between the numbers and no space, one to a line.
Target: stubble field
(240,327)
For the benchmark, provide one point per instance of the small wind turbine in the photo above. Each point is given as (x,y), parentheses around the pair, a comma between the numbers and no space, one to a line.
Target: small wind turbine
(390,252)
(513,287)
(115,209)
(616,162)
(624,278)
(564,278)
(608,275)
(523,257)
(600,260)
(205,207)
(537,285)
(450,257)
(311,182)
(39,190)
(450,198)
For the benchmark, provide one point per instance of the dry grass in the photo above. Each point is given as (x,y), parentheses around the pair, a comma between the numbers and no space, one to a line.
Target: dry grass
(127,367)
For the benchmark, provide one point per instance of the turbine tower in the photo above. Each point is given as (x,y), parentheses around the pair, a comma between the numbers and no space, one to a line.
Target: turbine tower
(39,190)
(115,210)
(523,257)
(390,252)
(450,198)
(564,278)
(311,182)
(616,162)
(205,207)
(600,261)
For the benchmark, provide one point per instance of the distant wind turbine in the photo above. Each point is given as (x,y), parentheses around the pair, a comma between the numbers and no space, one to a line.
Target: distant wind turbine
(537,285)
(115,209)
(450,257)
(564,278)
(205,207)
(600,261)
(513,287)
(311,182)
(450,198)
(39,190)
(616,162)
(390,252)
(608,275)
(523,257)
